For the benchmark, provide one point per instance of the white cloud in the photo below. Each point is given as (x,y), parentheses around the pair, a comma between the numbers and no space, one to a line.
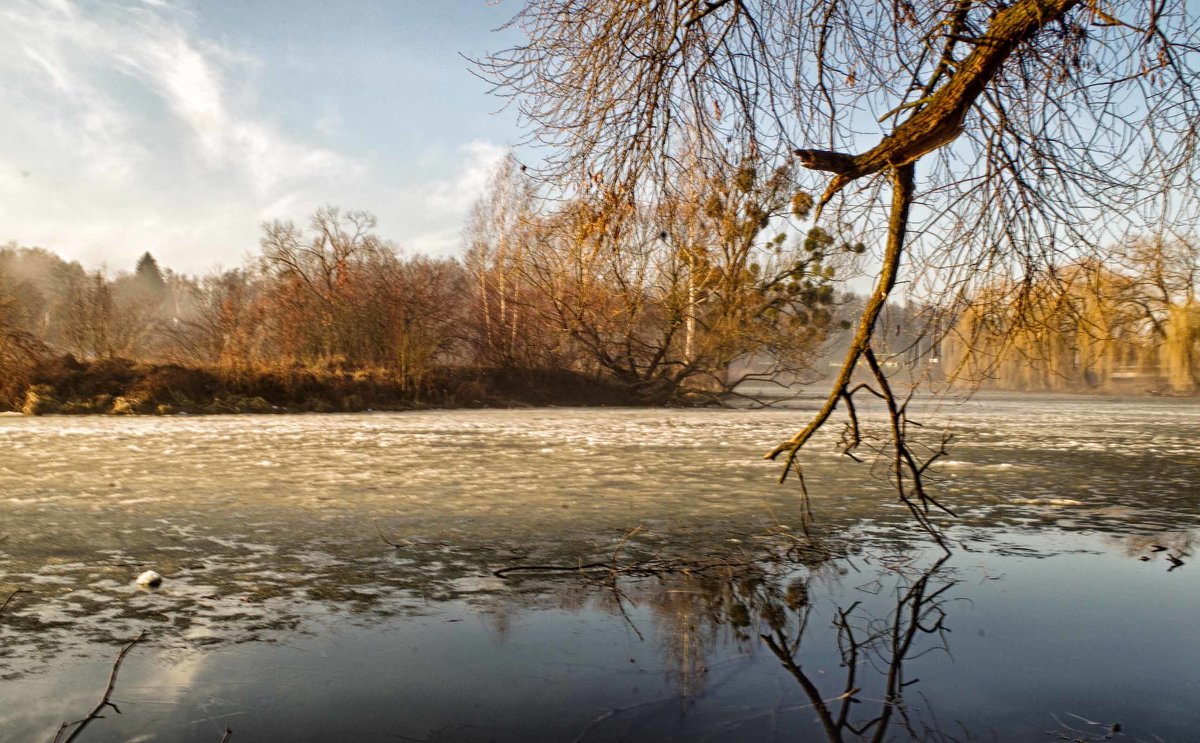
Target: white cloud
(126,130)
(429,217)
(126,121)
(478,160)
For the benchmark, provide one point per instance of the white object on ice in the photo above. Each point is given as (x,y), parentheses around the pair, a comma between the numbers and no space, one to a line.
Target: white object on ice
(149,579)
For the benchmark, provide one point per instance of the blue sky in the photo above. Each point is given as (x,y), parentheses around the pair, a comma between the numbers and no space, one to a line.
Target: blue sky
(178,126)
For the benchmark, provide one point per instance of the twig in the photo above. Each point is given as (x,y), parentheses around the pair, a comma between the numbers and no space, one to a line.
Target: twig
(407,542)
(10,598)
(105,701)
(385,539)
(621,544)
(709,7)
(551,568)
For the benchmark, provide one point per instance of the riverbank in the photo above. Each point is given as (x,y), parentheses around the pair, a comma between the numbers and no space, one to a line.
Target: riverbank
(65,385)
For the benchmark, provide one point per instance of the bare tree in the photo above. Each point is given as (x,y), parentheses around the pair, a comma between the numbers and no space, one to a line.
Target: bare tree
(1071,330)
(19,349)
(1041,127)
(497,238)
(419,303)
(315,273)
(1164,273)
(225,326)
(1130,324)
(39,284)
(663,298)
(90,317)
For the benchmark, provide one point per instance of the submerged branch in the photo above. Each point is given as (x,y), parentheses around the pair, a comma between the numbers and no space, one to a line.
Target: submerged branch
(11,596)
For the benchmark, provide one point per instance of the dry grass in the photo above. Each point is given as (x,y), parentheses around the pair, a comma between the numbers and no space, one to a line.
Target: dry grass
(120,386)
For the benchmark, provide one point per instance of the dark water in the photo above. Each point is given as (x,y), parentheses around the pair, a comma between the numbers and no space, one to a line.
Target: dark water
(286,616)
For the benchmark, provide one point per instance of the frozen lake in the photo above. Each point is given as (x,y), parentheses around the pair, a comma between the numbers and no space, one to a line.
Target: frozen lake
(285,613)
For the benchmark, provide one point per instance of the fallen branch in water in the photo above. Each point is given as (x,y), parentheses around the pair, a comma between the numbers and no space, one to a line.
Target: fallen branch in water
(1098,732)
(10,598)
(407,542)
(637,569)
(613,565)
(552,568)
(634,569)
(104,702)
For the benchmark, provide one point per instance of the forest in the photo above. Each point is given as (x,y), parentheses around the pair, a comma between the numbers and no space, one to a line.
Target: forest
(546,305)
(1130,324)
(711,295)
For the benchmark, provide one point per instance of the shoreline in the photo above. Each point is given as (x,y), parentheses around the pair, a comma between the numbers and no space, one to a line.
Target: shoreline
(67,386)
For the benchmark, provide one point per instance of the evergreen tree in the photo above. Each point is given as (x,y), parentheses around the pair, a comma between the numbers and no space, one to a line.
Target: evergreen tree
(147,273)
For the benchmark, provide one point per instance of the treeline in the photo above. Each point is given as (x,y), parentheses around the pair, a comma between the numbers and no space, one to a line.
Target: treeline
(1129,323)
(652,307)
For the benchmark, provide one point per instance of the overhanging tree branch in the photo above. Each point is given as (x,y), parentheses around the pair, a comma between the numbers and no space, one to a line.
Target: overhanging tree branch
(939,119)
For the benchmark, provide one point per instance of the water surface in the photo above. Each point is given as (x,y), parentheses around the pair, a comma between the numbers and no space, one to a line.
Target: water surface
(331,577)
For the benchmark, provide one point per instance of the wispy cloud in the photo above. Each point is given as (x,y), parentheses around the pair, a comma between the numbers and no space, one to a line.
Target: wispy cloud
(123,114)
(126,129)
(438,209)
(191,79)
(477,161)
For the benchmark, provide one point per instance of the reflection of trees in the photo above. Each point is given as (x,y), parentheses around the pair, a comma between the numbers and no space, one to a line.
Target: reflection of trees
(882,645)
(778,606)
(1171,546)
(697,615)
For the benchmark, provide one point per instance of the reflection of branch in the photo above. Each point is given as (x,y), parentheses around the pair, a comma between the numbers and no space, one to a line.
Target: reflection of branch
(777,645)
(104,702)
(618,599)
(918,611)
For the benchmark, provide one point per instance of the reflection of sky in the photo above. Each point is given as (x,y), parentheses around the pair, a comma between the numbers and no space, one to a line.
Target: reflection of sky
(179,126)
(1030,639)
(283,612)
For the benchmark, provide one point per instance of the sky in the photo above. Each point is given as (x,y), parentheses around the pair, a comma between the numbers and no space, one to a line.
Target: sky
(179,126)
